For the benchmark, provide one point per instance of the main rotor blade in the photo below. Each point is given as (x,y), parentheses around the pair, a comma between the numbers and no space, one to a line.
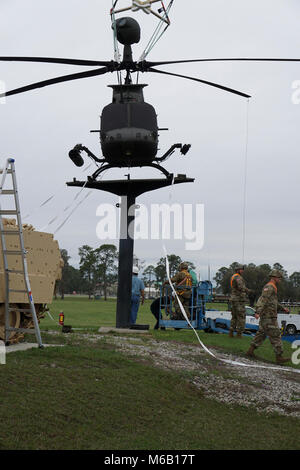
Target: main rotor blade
(249,59)
(53,81)
(55,60)
(230,90)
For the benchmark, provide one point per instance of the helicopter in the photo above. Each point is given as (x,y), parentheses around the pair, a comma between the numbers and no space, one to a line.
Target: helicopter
(129,131)
(129,128)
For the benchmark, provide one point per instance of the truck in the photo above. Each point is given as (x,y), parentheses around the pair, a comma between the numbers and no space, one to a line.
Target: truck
(290,323)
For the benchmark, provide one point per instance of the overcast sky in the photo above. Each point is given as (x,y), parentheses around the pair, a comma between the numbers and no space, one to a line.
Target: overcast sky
(38,128)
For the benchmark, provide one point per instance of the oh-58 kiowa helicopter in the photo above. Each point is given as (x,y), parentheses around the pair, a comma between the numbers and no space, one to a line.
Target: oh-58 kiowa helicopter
(129,130)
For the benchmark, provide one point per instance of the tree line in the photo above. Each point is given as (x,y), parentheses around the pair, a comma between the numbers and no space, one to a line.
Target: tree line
(256,277)
(98,270)
(154,276)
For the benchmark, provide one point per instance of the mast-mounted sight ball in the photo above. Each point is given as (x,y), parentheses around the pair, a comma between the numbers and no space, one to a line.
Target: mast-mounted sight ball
(128,31)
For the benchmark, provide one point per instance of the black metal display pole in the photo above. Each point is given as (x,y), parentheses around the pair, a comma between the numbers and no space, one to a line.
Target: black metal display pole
(126,245)
(128,190)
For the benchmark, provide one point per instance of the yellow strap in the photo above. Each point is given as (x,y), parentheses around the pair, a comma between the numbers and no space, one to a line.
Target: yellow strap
(273,284)
(233,277)
(189,283)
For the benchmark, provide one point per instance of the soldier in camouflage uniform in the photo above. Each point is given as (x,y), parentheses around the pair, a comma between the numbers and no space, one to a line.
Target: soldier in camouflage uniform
(183,287)
(238,299)
(267,307)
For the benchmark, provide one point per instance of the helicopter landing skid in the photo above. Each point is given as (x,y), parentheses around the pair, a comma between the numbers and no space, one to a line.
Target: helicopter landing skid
(100,170)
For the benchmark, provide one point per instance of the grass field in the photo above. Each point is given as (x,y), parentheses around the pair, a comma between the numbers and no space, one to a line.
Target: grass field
(89,396)
(91,314)
(81,312)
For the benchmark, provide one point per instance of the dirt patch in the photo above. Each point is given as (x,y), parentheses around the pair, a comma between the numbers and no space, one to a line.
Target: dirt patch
(266,389)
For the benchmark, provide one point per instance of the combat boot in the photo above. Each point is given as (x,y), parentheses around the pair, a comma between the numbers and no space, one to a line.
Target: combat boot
(281,360)
(230,334)
(250,351)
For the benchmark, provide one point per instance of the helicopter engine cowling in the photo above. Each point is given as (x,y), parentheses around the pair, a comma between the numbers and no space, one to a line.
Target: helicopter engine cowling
(129,130)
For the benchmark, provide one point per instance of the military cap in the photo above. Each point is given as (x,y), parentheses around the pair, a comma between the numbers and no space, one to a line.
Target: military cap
(239,266)
(183,265)
(276,273)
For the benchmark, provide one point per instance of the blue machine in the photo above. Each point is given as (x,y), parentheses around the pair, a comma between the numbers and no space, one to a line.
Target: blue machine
(201,294)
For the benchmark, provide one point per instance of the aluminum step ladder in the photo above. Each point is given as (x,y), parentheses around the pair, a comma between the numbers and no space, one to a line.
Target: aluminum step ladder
(17,232)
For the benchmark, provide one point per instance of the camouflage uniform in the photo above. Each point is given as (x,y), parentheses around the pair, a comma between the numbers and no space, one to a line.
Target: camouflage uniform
(238,299)
(184,292)
(267,307)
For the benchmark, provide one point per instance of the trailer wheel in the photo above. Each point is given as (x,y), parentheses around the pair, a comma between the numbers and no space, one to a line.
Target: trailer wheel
(14,321)
(291,330)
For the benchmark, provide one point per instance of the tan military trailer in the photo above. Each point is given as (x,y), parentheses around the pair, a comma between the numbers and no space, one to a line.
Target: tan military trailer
(44,268)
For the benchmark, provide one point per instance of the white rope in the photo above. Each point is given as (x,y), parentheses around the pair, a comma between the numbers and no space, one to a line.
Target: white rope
(51,221)
(47,311)
(57,195)
(70,205)
(72,212)
(66,208)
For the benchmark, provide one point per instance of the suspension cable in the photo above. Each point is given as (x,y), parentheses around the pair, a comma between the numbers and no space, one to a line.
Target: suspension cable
(117,54)
(163,15)
(158,33)
(245,182)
